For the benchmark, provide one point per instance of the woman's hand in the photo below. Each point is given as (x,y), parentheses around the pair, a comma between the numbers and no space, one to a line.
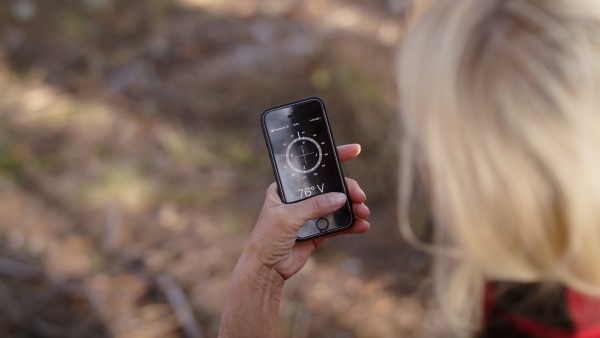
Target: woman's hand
(272,255)
(273,243)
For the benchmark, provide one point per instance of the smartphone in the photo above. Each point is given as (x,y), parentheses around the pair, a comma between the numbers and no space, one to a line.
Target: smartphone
(305,161)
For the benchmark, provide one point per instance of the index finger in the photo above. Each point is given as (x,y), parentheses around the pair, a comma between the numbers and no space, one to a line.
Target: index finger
(348,152)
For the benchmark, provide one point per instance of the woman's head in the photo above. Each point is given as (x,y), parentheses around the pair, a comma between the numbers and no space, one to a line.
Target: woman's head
(501,99)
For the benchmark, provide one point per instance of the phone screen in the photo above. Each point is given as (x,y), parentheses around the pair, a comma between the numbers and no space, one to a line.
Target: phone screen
(303,151)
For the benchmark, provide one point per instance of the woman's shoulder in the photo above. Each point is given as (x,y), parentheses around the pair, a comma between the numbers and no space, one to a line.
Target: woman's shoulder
(538,310)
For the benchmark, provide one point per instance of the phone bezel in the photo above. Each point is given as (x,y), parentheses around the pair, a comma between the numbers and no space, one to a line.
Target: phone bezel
(337,161)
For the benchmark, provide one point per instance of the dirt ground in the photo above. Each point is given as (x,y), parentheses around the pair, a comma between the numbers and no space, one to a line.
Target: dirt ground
(133,166)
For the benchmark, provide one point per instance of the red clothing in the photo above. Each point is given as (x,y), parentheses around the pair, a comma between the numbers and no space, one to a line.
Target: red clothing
(530,310)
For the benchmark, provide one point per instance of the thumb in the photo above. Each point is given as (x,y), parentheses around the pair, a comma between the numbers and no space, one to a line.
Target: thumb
(315,207)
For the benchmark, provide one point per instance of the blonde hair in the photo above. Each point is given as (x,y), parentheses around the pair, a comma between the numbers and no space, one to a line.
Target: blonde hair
(500,102)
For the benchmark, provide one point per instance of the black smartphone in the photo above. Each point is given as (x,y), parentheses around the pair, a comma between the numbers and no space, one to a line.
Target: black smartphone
(305,161)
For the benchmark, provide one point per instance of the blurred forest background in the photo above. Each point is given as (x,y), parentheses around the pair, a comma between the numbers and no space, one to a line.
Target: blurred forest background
(133,166)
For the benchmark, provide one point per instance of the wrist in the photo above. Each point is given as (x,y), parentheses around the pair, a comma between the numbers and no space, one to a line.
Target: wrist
(252,305)
(251,268)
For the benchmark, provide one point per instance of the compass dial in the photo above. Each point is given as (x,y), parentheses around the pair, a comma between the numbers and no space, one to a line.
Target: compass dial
(304,154)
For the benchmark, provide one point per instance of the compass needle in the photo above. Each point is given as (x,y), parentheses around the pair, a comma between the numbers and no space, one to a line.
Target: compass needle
(301,150)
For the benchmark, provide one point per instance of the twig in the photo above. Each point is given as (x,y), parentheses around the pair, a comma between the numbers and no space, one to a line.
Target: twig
(18,270)
(179,302)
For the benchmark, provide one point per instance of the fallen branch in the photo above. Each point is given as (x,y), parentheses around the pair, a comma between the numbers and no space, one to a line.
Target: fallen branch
(179,302)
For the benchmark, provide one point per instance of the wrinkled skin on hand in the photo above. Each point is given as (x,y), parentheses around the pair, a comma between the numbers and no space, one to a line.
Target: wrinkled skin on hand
(272,243)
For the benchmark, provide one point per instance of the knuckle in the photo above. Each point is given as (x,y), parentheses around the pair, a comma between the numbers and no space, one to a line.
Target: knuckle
(280,214)
(296,220)
(291,221)
(320,203)
(289,215)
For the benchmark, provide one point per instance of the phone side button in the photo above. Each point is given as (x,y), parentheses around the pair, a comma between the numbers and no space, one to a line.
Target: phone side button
(322,224)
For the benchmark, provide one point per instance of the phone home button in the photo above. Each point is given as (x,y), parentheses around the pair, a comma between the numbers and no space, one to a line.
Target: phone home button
(322,224)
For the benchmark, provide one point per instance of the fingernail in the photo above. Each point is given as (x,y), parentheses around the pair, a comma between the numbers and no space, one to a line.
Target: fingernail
(337,199)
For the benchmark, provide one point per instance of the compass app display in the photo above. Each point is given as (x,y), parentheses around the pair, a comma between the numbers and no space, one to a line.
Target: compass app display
(308,155)
(303,150)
